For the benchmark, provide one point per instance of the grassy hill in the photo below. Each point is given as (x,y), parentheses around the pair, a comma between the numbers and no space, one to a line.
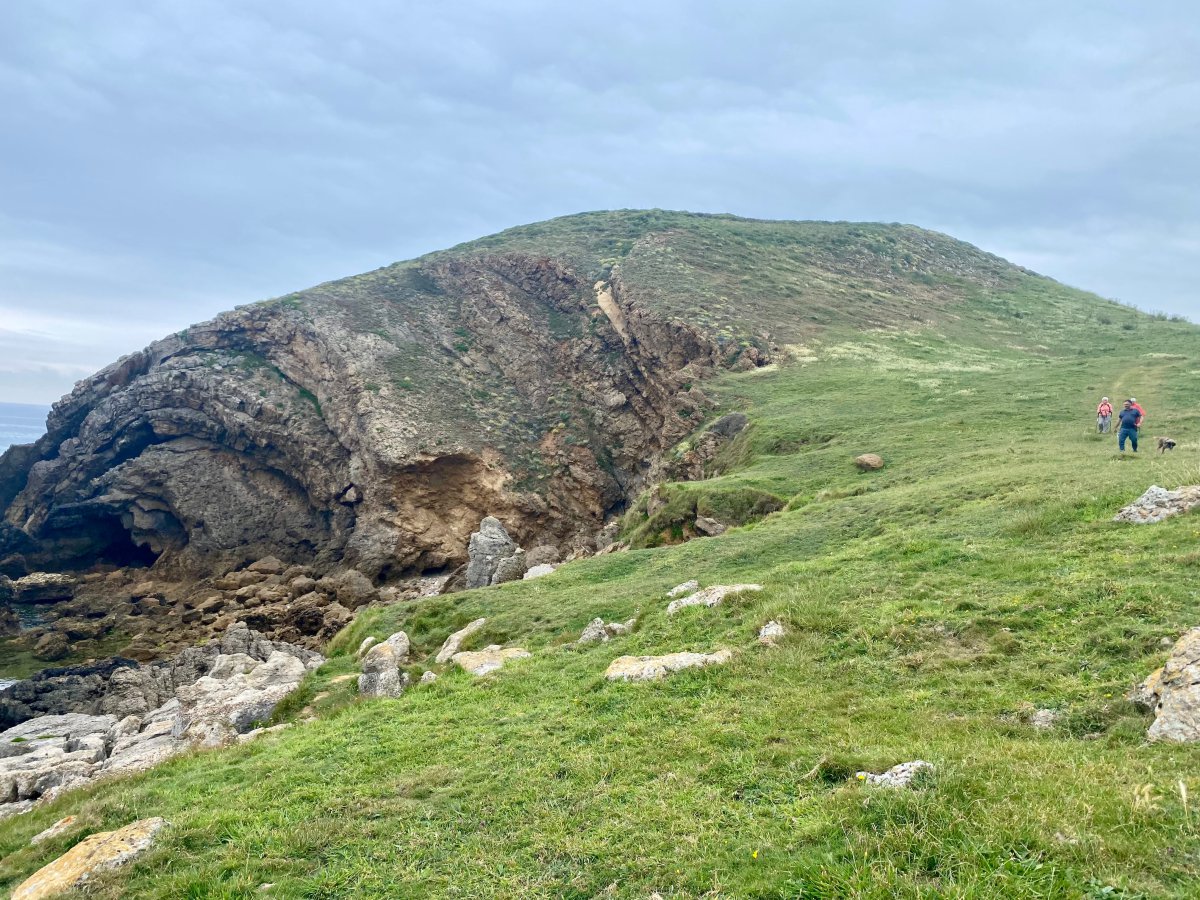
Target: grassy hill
(930,608)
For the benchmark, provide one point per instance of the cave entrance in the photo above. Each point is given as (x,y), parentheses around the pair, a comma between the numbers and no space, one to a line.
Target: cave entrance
(122,550)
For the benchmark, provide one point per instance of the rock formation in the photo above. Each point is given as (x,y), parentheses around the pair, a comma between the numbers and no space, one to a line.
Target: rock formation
(134,728)
(487,660)
(381,675)
(1173,693)
(1159,503)
(97,853)
(653,668)
(710,596)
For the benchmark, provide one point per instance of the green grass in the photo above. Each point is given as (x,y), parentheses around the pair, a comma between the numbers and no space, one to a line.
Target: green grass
(930,606)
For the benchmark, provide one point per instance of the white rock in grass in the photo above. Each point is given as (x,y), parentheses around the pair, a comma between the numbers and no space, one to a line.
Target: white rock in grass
(481,662)
(770,633)
(652,668)
(598,631)
(538,571)
(454,642)
(686,588)
(428,677)
(98,853)
(1044,718)
(897,776)
(367,643)
(60,827)
(710,596)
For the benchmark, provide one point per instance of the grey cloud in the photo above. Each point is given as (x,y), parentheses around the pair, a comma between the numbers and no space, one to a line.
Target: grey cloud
(164,161)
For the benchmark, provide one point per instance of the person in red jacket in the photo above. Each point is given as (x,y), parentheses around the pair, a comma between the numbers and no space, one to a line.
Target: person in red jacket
(1141,412)
(1104,416)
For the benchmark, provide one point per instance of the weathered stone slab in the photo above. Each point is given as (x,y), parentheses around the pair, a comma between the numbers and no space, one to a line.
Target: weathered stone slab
(652,668)
(98,853)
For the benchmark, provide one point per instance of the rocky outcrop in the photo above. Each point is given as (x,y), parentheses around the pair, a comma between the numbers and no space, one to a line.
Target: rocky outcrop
(97,853)
(1158,504)
(43,587)
(122,687)
(1173,693)
(489,550)
(654,668)
(381,675)
(370,422)
(710,596)
(46,755)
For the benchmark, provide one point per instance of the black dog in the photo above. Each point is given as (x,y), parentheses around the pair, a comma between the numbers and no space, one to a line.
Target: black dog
(1165,444)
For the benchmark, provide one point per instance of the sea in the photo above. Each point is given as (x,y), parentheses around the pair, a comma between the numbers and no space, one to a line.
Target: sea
(21,423)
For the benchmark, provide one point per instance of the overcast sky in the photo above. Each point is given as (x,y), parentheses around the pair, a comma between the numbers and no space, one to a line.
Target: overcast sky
(163,161)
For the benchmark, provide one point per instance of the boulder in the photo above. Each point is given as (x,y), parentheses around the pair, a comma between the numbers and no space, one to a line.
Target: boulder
(710,596)
(686,588)
(869,462)
(481,662)
(1173,692)
(268,565)
(367,643)
(97,853)
(43,587)
(510,568)
(899,776)
(381,675)
(428,677)
(770,633)
(538,571)
(1158,504)
(709,527)
(485,551)
(598,632)
(455,641)
(653,668)
(729,425)
(51,646)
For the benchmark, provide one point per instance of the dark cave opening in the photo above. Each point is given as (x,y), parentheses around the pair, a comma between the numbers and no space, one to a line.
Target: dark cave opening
(122,550)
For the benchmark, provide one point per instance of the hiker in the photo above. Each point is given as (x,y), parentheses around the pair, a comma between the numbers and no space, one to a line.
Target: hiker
(1129,418)
(1103,416)
(1141,412)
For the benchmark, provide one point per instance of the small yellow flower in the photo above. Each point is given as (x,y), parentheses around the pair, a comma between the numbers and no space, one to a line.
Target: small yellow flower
(754,855)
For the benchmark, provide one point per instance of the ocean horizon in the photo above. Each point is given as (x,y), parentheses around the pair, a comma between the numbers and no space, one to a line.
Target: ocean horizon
(21,423)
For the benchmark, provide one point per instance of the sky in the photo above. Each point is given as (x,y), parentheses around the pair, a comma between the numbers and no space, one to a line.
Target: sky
(164,161)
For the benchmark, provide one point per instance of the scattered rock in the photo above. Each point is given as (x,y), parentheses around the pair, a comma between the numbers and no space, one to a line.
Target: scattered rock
(869,462)
(652,668)
(428,677)
(897,776)
(710,596)
(481,662)
(1044,718)
(367,643)
(381,675)
(1173,692)
(686,588)
(98,853)
(598,631)
(51,646)
(709,527)
(1158,504)
(538,571)
(62,826)
(230,692)
(770,633)
(455,641)
(43,587)
(487,548)
(268,565)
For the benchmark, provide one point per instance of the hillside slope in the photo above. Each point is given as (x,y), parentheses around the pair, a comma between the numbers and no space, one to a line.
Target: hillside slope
(930,607)
(536,375)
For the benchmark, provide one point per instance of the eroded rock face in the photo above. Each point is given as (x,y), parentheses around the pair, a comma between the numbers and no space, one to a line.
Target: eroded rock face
(371,423)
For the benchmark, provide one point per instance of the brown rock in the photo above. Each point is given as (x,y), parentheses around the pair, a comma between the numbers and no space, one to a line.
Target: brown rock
(51,646)
(869,462)
(98,853)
